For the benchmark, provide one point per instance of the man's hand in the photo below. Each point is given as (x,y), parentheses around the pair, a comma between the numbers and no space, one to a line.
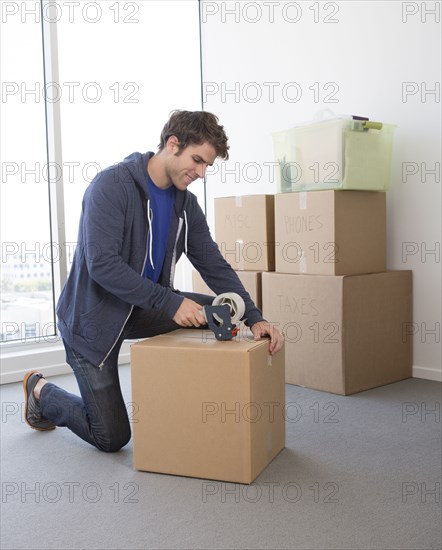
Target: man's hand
(189,314)
(263,328)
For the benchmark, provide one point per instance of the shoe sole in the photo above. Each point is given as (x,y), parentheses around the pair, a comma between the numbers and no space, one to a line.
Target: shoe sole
(25,388)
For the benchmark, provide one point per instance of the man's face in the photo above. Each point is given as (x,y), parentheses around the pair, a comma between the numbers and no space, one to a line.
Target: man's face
(185,167)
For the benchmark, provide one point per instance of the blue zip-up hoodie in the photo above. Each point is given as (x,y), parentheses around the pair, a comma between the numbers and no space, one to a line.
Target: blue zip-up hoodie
(105,281)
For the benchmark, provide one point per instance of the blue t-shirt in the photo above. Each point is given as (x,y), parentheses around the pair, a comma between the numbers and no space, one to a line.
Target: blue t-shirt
(161,204)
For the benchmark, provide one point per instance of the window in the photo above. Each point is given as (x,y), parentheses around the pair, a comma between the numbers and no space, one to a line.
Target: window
(135,62)
(114,72)
(27,303)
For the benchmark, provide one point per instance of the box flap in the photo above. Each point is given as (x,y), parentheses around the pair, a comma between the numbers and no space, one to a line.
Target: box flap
(199,338)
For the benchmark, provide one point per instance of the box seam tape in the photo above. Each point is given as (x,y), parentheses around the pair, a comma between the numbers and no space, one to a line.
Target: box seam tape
(302,200)
(240,245)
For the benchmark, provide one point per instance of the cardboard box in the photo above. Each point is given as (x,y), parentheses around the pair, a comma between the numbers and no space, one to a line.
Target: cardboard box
(250,279)
(342,334)
(330,232)
(245,231)
(206,408)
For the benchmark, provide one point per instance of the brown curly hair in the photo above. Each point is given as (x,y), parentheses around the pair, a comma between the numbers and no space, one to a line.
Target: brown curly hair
(195,128)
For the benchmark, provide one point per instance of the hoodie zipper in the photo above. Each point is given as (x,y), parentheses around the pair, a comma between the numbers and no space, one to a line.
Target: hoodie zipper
(132,307)
(173,264)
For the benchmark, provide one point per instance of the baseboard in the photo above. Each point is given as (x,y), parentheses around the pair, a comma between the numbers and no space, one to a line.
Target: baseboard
(51,363)
(427,373)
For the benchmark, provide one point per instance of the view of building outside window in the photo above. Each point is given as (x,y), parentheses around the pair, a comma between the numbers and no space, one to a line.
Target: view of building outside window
(27,305)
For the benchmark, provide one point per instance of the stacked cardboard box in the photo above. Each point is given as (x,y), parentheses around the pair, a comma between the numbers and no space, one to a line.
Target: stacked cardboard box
(342,314)
(343,334)
(245,231)
(245,234)
(250,279)
(330,232)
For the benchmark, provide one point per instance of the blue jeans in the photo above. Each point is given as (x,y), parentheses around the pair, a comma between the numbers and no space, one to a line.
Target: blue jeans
(100,416)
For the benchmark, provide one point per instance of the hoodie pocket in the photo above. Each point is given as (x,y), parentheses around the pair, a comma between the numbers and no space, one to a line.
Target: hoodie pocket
(93,313)
(91,323)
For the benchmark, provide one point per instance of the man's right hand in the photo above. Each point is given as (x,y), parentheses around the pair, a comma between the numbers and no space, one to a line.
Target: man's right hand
(189,314)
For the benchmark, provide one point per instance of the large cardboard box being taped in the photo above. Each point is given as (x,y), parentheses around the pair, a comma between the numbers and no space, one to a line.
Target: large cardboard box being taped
(245,231)
(330,232)
(250,279)
(207,408)
(342,334)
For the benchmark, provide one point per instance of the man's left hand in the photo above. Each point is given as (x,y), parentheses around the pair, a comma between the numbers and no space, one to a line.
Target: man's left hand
(263,328)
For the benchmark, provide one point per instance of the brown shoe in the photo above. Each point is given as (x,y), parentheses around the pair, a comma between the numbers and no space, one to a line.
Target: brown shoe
(33,416)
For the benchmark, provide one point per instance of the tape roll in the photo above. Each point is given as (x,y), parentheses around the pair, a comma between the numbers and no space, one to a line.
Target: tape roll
(235,303)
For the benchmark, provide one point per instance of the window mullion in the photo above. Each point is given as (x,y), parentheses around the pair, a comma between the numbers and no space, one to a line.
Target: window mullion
(54,148)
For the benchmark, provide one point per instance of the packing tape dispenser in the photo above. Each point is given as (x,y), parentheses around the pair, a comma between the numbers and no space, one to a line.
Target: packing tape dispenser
(224,315)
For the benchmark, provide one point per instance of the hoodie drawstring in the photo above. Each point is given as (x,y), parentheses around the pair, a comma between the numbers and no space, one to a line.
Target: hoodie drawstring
(149,218)
(185,231)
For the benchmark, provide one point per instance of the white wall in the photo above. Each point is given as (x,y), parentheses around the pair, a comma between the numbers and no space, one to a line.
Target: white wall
(361,55)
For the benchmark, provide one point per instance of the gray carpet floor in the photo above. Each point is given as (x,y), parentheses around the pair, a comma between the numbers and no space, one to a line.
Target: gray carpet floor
(358,472)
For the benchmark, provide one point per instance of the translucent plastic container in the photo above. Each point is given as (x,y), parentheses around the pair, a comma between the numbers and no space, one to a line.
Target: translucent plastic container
(337,153)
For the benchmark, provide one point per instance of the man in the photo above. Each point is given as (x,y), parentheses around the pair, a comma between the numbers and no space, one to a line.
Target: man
(137,219)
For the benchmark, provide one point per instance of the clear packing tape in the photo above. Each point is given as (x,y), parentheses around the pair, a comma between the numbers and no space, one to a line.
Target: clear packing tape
(236,305)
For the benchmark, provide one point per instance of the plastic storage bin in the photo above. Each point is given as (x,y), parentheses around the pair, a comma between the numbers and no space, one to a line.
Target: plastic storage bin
(337,153)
